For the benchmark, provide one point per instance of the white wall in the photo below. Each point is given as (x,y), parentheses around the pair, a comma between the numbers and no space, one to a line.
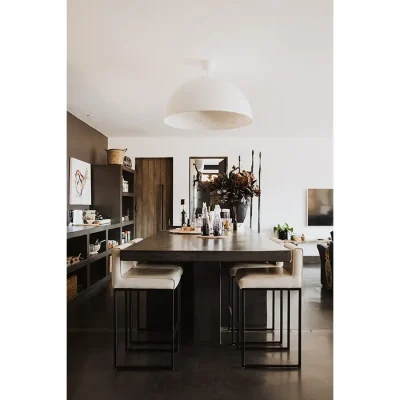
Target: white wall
(289,167)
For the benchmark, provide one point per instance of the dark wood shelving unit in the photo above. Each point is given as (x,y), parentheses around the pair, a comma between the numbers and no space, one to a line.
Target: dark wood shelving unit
(111,202)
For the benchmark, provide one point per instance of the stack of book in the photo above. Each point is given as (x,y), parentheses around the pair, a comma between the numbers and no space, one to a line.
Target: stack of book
(104,222)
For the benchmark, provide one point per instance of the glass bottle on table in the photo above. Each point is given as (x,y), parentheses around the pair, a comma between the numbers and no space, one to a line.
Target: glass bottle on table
(206,222)
(217,223)
(183,213)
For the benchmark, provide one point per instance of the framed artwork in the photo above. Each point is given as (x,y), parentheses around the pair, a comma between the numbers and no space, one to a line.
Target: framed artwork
(80,188)
(320,207)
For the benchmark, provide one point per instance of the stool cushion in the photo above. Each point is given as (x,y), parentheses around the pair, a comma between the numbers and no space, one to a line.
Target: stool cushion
(143,264)
(268,278)
(237,266)
(132,274)
(156,277)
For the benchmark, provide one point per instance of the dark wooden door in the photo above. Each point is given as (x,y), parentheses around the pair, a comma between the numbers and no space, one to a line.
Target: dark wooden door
(154,195)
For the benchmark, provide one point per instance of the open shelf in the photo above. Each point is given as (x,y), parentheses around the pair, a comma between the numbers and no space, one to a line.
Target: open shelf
(128,204)
(76,246)
(128,194)
(129,176)
(98,270)
(82,282)
(76,266)
(115,234)
(129,228)
(100,236)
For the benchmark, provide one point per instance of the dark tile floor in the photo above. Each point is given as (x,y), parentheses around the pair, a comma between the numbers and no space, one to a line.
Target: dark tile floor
(202,371)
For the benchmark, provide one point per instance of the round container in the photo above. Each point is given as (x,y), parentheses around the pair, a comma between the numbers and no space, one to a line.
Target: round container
(94,248)
(115,156)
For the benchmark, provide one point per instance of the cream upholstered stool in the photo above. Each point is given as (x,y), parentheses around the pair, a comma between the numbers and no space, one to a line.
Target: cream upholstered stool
(233,292)
(138,326)
(128,276)
(288,278)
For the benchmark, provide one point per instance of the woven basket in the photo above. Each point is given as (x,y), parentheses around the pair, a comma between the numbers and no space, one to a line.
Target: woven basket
(115,156)
(72,287)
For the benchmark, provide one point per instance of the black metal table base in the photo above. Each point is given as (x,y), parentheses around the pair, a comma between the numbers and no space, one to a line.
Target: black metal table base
(175,332)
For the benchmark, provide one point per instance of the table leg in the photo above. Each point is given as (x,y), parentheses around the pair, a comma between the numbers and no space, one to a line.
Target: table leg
(207,302)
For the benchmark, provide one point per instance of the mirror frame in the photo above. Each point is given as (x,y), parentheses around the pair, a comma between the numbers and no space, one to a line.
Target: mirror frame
(190,178)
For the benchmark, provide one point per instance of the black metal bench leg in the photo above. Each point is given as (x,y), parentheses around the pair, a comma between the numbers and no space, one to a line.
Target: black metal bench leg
(179,317)
(130,314)
(115,329)
(138,310)
(281,317)
(173,331)
(273,310)
(233,308)
(238,316)
(243,320)
(230,326)
(299,333)
(266,309)
(288,320)
(126,319)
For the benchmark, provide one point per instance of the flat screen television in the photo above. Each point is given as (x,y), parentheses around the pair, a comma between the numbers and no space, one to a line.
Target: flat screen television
(320,207)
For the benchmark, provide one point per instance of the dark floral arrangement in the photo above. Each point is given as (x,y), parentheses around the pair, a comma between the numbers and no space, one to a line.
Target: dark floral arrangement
(237,186)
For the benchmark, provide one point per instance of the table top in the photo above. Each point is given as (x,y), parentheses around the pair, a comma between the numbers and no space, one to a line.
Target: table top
(247,246)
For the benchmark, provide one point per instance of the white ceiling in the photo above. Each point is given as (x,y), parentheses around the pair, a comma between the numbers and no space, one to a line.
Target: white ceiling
(126,57)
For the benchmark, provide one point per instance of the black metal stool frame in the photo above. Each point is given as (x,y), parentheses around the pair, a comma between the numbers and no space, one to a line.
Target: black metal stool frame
(234,309)
(127,314)
(242,340)
(139,329)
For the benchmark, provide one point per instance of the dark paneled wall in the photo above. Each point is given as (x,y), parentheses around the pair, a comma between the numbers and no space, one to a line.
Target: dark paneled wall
(86,144)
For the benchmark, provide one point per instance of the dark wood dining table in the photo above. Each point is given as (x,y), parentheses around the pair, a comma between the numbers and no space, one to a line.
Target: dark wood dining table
(201,260)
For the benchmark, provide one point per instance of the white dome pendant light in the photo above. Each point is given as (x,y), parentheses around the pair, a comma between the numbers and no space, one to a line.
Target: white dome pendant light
(208,103)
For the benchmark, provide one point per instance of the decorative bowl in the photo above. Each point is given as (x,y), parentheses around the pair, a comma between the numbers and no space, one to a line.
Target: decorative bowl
(94,248)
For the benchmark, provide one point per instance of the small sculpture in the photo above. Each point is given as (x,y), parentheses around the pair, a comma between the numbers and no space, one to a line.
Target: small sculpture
(199,175)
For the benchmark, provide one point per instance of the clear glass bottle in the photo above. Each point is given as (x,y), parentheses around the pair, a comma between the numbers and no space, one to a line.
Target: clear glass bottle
(206,221)
(183,213)
(217,224)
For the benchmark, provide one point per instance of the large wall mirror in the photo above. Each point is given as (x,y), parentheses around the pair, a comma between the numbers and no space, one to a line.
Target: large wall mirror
(202,169)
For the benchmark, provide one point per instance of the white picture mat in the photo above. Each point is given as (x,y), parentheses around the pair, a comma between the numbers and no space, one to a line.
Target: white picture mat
(80,182)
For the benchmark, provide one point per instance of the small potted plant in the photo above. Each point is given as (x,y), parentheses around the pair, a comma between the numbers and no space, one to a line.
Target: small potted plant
(284,231)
